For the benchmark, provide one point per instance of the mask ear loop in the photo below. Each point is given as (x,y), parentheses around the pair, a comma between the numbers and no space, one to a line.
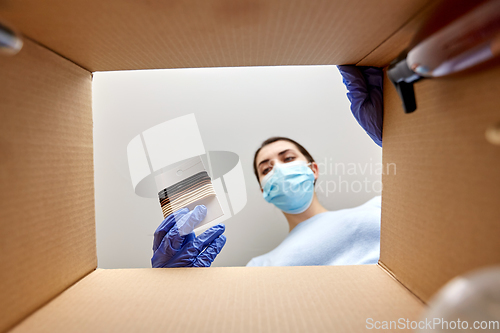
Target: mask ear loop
(308,164)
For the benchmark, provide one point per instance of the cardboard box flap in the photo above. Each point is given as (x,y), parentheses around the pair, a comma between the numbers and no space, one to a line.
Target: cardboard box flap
(440,208)
(47,226)
(117,35)
(227,299)
(399,41)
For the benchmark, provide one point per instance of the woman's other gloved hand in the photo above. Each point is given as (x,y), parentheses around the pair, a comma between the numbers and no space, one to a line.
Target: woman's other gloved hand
(365,87)
(176,245)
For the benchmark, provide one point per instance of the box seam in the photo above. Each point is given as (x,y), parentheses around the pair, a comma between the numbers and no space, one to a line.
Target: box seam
(51,50)
(396,31)
(386,269)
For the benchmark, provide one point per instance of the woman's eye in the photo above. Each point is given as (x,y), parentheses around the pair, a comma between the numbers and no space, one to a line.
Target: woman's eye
(290,158)
(266,171)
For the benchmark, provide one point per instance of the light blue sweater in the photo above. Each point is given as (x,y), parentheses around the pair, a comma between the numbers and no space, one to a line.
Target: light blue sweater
(343,237)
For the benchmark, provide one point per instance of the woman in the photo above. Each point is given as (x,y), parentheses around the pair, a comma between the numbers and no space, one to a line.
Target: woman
(286,173)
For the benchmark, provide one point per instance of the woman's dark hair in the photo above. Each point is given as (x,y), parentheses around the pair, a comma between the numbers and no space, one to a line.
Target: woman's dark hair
(280,138)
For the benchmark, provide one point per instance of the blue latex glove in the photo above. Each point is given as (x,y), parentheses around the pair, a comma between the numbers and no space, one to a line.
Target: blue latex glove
(176,245)
(364,85)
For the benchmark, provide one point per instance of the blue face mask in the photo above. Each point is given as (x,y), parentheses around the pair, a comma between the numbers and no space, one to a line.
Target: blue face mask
(289,186)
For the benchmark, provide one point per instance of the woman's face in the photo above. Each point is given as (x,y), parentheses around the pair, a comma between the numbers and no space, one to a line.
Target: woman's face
(279,152)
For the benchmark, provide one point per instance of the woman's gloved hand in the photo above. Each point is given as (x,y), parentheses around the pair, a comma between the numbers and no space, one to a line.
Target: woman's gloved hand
(364,85)
(176,245)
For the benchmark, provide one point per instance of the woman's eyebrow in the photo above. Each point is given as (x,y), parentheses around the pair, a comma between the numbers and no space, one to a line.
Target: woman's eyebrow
(284,151)
(264,161)
(279,154)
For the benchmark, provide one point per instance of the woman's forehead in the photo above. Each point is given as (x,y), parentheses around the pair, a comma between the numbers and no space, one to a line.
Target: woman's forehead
(273,149)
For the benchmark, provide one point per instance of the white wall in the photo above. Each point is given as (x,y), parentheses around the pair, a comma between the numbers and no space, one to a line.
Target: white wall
(236,109)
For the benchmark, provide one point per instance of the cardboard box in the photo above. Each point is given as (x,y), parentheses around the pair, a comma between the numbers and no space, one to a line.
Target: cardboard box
(440,210)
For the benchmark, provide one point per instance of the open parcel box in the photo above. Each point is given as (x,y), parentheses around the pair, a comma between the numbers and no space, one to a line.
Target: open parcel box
(440,210)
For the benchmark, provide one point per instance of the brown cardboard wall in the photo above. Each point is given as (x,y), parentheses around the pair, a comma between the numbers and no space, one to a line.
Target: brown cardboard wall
(47,228)
(227,299)
(115,34)
(441,208)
